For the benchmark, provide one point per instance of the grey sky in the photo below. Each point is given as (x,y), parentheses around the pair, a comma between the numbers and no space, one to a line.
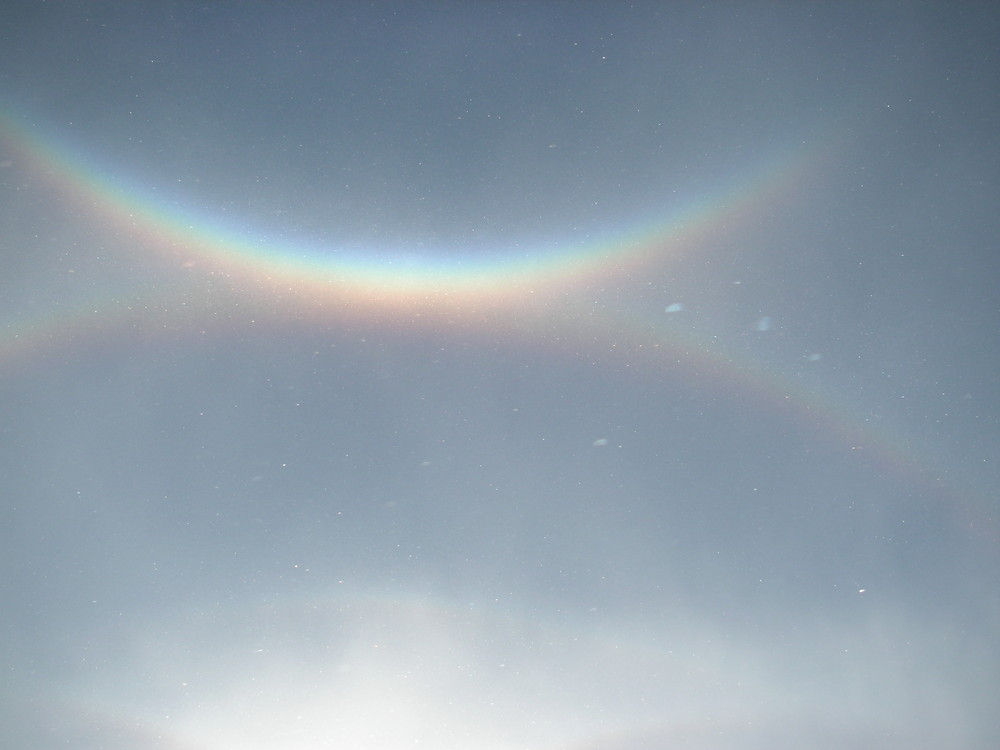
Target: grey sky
(297,454)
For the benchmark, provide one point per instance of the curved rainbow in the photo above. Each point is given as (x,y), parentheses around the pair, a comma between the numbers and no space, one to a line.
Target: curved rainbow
(380,281)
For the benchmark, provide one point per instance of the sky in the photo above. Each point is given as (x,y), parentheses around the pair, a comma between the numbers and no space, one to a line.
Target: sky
(499,376)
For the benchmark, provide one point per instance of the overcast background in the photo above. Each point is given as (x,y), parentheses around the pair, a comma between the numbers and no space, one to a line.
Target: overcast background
(740,494)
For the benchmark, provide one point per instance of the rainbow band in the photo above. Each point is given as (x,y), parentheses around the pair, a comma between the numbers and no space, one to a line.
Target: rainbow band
(365,281)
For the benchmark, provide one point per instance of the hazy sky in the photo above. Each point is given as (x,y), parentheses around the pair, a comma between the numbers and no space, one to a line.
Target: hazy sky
(497,376)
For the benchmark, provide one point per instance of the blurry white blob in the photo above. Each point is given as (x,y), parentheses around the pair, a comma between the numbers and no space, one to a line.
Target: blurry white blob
(675,307)
(763,324)
(404,669)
